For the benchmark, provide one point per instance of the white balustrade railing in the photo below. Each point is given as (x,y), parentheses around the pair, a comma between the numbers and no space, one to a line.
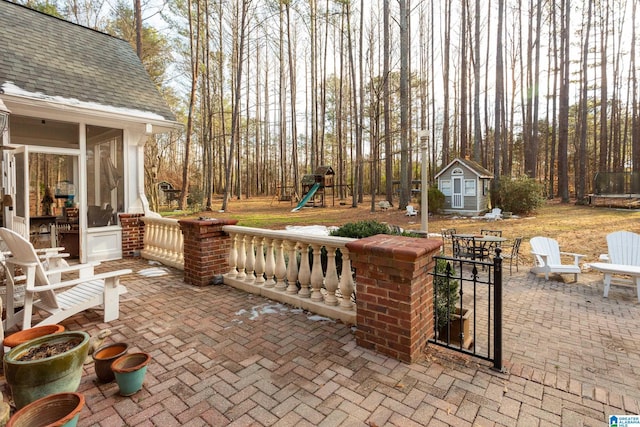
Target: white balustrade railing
(163,241)
(276,264)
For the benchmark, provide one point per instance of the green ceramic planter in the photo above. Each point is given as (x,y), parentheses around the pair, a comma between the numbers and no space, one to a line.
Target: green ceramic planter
(59,410)
(104,357)
(129,371)
(31,333)
(31,380)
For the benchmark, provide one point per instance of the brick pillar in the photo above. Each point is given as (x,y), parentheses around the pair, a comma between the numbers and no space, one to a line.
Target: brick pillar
(394,293)
(206,249)
(132,234)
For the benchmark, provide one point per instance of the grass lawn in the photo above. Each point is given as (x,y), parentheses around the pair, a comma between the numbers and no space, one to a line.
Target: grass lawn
(580,229)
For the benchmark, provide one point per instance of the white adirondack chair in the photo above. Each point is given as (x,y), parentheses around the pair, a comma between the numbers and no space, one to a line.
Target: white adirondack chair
(495,214)
(88,291)
(623,258)
(411,211)
(548,258)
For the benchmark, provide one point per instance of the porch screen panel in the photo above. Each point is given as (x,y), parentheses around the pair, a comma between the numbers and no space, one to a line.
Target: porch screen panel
(105,175)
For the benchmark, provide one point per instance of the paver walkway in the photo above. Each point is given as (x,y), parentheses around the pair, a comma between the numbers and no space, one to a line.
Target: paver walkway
(222,357)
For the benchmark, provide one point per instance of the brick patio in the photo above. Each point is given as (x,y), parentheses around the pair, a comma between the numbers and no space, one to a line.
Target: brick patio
(223,357)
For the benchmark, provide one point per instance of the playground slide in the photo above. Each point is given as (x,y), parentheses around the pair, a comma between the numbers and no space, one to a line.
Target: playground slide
(307,197)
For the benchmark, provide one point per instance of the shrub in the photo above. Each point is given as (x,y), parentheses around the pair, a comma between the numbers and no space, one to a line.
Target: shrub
(521,195)
(361,229)
(446,292)
(436,200)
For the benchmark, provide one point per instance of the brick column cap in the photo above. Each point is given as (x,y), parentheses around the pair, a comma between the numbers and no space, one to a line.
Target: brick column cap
(402,247)
(200,222)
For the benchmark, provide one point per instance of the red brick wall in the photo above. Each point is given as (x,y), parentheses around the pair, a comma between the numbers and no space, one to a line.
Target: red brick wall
(206,249)
(394,294)
(132,234)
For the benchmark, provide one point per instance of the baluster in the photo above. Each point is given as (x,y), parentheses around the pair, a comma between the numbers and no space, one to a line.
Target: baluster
(163,242)
(292,268)
(233,255)
(331,280)
(242,257)
(251,259)
(316,274)
(260,264)
(281,267)
(180,247)
(346,281)
(153,239)
(304,275)
(173,240)
(148,230)
(270,267)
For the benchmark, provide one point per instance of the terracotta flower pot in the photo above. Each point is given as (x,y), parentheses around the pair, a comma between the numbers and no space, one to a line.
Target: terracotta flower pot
(60,409)
(31,333)
(104,357)
(129,371)
(30,380)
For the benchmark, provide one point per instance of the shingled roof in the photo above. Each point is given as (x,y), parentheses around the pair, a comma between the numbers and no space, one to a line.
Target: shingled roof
(49,57)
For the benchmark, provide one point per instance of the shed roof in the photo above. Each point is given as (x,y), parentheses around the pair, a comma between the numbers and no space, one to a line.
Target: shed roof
(474,167)
(49,57)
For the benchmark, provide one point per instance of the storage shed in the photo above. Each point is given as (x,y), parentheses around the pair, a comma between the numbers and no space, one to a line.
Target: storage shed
(466,186)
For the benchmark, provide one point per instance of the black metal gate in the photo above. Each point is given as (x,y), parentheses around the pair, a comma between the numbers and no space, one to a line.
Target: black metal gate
(467,306)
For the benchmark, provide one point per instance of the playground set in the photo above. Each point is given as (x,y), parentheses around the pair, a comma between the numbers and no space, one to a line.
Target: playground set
(315,186)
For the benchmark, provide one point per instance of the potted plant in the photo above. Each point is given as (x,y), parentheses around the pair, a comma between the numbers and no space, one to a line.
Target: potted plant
(46,365)
(451,323)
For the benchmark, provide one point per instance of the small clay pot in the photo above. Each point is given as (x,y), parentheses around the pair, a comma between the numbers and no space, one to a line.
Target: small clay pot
(60,409)
(104,356)
(31,333)
(129,371)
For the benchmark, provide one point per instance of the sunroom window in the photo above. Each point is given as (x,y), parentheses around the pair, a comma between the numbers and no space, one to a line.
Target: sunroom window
(105,176)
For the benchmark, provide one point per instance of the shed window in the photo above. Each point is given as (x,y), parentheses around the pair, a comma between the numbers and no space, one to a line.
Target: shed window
(469,187)
(445,187)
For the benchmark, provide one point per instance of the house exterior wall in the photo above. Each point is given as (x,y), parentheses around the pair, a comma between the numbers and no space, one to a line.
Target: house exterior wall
(95,243)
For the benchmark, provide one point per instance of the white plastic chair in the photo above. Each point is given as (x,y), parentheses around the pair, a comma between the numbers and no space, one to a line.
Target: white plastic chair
(411,211)
(547,258)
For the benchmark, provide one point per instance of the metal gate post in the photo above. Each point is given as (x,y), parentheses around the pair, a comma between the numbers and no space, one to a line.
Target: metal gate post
(497,318)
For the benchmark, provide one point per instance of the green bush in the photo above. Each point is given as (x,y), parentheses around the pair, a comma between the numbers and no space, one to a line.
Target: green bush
(436,200)
(446,292)
(361,229)
(521,195)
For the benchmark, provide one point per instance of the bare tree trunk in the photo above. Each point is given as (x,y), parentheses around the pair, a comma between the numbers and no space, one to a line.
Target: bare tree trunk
(635,116)
(357,168)
(463,81)
(477,125)
(405,179)
(313,10)
(292,82)
(235,109)
(499,101)
(582,154)
(138,18)
(282,93)
(534,142)
(194,48)
(445,75)
(554,130)
(563,115)
(388,161)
